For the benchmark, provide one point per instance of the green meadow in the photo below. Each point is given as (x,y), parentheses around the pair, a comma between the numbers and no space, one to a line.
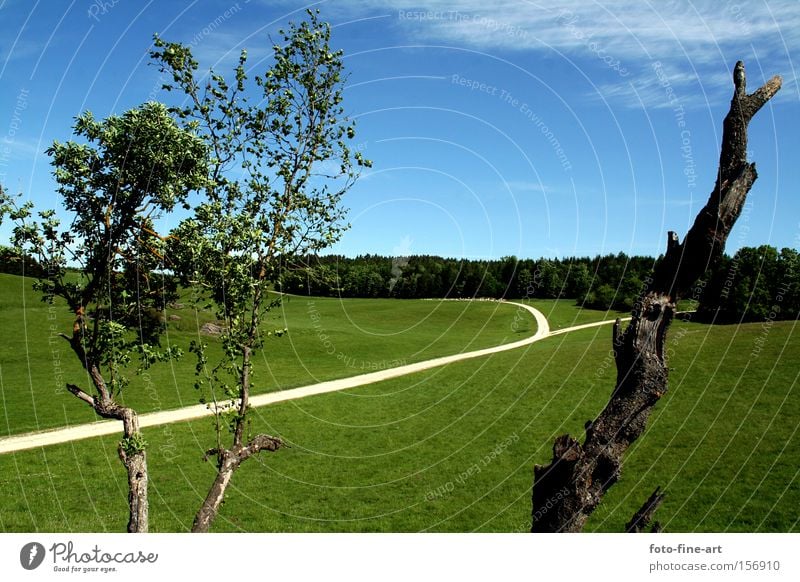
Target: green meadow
(449,449)
(327,338)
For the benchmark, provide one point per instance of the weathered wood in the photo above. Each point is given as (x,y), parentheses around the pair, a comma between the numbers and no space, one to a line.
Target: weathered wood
(226,465)
(105,406)
(574,482)
(228,460)
(642,518)
(136,465)
(135,462)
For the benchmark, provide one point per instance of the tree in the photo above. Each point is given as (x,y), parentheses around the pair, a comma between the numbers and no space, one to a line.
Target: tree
(13,262)
(279,168)
(603,297)
(525,286)
(507,276)
(579,281)
(755,285)
(549,280)
(131,170)
(788,283)
(568,489)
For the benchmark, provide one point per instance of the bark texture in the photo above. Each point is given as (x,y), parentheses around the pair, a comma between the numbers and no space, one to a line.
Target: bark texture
(569,488)
(644,516)
(228,460)
(131,447)
(134,459)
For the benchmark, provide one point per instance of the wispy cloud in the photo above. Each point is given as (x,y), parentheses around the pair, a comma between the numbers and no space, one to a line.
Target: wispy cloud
(523,187)
(697,42)
(18,50)
(632,27)
(24,149)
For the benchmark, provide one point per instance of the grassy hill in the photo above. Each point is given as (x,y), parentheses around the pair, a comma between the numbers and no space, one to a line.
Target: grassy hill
(328,338)
(452,449)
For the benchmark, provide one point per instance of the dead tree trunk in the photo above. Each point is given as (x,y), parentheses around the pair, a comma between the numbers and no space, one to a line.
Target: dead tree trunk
(569,488)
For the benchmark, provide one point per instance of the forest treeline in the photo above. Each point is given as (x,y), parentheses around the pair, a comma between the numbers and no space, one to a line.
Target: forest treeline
(612,280)
(757,283)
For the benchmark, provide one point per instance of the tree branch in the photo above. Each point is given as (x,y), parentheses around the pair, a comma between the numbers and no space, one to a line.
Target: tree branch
(258,443)
(684,263)
(81,394)
(575,481)
(642,518)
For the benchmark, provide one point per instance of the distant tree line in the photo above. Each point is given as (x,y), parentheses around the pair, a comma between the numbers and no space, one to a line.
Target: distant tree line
(601,282)
(755,284)
(14,263)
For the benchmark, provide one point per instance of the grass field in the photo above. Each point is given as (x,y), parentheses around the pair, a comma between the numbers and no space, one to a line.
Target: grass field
(327,339)
(452,449)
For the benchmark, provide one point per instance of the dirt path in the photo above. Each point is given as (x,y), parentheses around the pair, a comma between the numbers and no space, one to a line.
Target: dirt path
(108,427)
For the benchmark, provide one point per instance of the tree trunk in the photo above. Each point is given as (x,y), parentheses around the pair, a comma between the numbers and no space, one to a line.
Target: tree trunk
(568,489)
(642,518)
(227,462)
(131,450)
(216,494)
(136,464)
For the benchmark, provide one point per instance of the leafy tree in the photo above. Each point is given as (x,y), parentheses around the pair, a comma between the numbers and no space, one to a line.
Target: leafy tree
(13,262)
(603,297)
(550,280)
(490,286)
(579,280)
(753,296)
(788,283)
(508,269)
(525,283)
(280,165)
(755,285)
(131,169)
(628,291)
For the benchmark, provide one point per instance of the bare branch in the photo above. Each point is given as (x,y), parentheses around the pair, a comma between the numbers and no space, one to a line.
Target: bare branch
(642,518)
(81,394)
(575,481)
(258,443)
(211,453)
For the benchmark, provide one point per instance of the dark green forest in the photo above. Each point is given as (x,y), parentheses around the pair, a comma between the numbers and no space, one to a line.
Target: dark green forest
(755,284)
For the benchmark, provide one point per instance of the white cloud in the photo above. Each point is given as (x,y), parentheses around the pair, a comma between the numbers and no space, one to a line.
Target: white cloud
(633,27)
(696,42)
(17,51)
(24,149)
(522,187)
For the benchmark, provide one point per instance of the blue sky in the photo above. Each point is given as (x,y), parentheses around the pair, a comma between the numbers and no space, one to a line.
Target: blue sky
(496,128)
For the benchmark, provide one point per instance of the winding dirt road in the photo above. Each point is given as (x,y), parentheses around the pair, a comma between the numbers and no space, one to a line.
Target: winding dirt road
(108,427)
